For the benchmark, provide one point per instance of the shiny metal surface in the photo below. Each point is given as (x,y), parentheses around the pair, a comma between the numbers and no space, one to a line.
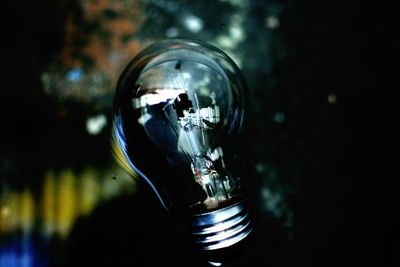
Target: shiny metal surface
(221,228)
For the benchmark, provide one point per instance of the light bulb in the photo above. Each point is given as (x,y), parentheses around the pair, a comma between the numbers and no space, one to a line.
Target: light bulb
(178,121)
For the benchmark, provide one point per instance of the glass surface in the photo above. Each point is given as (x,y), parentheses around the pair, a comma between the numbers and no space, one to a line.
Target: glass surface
(186,98)
(317,74)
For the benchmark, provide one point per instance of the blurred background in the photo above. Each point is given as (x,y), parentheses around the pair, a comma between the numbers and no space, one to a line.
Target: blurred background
(321,76)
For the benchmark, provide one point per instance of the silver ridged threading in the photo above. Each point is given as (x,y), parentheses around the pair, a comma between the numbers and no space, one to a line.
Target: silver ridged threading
(221,228)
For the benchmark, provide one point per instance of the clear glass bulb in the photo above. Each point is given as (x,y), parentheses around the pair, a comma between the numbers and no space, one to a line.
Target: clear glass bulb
(179,115)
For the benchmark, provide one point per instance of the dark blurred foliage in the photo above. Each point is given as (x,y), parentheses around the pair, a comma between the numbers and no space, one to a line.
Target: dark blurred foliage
(335,163)
(39,131)
(25,111)
(344,201)
(162,15)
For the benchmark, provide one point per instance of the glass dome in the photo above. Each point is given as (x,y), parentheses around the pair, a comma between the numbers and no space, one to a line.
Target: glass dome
(179,112)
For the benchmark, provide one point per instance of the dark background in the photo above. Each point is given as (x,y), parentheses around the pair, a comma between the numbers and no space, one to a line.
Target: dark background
(322,170)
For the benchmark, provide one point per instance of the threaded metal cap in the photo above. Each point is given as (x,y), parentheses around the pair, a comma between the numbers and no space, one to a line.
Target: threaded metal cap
(221,228)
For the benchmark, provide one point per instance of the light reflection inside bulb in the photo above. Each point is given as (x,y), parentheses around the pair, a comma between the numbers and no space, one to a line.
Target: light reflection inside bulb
(179,118)
(191,98)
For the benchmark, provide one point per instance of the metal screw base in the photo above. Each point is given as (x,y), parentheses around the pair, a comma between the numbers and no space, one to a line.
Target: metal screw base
(221,228)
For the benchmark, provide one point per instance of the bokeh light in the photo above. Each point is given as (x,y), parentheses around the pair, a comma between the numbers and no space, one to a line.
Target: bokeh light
(316,72)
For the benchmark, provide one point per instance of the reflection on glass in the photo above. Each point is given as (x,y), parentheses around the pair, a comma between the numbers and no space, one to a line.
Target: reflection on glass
(190,95)
(179,112)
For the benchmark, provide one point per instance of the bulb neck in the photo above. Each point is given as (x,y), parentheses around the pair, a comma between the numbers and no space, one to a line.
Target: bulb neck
(220,229)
